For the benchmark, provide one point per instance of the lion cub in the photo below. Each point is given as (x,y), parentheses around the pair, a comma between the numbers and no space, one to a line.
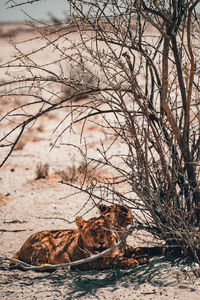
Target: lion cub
(62,246)
(120,216)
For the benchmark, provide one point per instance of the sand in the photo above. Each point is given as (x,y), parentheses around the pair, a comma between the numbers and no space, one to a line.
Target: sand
(28,205)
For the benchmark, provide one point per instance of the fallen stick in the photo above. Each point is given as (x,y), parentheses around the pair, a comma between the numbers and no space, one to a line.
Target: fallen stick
(26,266)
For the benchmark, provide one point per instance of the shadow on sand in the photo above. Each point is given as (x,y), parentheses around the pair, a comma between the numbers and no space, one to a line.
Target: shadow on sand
(63,284)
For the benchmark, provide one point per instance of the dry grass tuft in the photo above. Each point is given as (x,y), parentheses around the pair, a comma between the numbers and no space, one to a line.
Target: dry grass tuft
(83,79)
(42,170)
(20,145)
(4,199)
(82,172)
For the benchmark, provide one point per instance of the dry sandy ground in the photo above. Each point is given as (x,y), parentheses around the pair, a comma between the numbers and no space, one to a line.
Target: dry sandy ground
(28,205)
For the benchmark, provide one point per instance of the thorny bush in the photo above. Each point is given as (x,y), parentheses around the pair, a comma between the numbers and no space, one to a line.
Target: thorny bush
(136,64)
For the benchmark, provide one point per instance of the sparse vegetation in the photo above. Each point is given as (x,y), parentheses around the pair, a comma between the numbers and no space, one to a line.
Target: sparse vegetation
(4,199)
(42,170)
(145,55)
(84,173)
(20,145)
(83,79)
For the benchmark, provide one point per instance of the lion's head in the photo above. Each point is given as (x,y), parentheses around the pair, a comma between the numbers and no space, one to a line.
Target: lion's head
(119,216)
(96,233)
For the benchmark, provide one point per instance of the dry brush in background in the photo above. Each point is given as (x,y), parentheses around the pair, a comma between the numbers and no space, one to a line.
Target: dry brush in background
(136,65)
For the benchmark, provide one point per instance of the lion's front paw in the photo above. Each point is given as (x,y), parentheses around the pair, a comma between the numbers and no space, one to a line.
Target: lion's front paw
(143,259)
(129,263)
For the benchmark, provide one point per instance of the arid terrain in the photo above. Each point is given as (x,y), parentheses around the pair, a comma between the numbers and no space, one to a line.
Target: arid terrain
(29,204)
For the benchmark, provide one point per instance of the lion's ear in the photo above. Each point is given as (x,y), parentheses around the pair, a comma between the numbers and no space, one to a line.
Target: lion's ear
(102,207)
(80,222)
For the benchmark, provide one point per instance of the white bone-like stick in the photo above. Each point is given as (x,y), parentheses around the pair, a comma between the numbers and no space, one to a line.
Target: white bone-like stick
(26,266)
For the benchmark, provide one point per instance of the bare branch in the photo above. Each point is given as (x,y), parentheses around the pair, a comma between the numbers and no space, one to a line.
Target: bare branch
(26,266)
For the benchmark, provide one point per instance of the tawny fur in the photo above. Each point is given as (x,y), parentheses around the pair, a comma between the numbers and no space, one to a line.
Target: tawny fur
(120,216)
(62,246)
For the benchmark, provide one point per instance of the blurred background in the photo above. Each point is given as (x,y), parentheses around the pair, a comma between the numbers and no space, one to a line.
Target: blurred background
(42,10)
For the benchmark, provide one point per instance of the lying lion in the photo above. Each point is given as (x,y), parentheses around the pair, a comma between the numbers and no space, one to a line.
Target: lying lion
(61,246)
(120,216)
